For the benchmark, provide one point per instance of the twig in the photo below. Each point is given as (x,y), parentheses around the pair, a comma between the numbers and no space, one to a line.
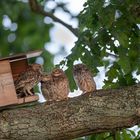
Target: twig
(112,55)
(38,9)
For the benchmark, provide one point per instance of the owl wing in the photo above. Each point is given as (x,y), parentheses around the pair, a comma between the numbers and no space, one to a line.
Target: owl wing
(62,89)
(77,79)
(67,85)
(25,78)
(87,83)
(47,90)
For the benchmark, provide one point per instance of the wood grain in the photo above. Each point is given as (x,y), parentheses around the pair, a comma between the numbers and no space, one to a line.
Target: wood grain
(5,67)
(7,90)
(28,99)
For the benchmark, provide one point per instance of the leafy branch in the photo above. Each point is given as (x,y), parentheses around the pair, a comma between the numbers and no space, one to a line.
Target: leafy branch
(35,7)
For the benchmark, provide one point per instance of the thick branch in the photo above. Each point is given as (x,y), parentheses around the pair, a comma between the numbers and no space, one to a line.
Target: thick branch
(38,9)
(104,110)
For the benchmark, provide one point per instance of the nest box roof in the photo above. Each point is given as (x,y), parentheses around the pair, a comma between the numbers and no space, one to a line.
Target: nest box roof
(22,56)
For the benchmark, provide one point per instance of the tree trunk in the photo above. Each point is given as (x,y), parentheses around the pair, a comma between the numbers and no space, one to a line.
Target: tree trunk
(103,110)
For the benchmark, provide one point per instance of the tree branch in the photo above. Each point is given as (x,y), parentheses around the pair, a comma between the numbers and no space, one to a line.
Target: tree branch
(38,9)
(101,111)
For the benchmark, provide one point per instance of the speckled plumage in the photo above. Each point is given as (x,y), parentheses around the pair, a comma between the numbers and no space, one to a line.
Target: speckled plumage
(47,87)
(56,86)
(83,78)
(28,79)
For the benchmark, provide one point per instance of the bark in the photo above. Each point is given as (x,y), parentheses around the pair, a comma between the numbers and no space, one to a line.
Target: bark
(103,110)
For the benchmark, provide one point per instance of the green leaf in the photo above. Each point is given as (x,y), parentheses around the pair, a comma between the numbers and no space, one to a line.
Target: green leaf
(125,64)
(70,77)
(126,135)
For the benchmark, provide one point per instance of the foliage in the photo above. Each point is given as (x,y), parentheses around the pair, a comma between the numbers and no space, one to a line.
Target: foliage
(109,37)
(123,135)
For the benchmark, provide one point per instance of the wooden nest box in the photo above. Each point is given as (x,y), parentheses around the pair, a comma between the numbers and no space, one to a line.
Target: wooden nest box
(10,68)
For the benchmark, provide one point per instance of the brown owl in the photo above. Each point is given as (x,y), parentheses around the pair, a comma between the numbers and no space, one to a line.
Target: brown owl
(28,79)
(83,78)
(47,87)
(56,86)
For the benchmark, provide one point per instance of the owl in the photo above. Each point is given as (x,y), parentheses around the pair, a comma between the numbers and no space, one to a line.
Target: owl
(61,84)
(83,78)
(55,87)
(28,79)
(47,87)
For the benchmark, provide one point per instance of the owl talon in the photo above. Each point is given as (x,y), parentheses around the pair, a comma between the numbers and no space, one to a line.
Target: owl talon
(29,92)
(25,92)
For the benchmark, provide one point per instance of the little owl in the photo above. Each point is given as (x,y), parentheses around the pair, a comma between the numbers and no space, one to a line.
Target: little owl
(83,78)
(47,87)
(28,79)
(55,87)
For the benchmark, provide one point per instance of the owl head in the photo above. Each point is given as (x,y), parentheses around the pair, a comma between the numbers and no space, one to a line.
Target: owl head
(57,72)
(46,77)
(80,68)
(37,67)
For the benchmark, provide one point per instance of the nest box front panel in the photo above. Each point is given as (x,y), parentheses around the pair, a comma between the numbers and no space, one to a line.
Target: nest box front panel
(7,88)
(4,67)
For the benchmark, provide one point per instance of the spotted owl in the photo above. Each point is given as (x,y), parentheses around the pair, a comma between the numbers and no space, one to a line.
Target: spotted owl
(56,86)
(83,78)
(28,79)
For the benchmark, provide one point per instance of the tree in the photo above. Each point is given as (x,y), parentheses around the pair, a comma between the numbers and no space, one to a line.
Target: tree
(108,36)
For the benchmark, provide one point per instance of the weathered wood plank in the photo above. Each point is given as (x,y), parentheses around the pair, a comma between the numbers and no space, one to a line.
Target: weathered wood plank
(28,99)
(7,89)
(5,67)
